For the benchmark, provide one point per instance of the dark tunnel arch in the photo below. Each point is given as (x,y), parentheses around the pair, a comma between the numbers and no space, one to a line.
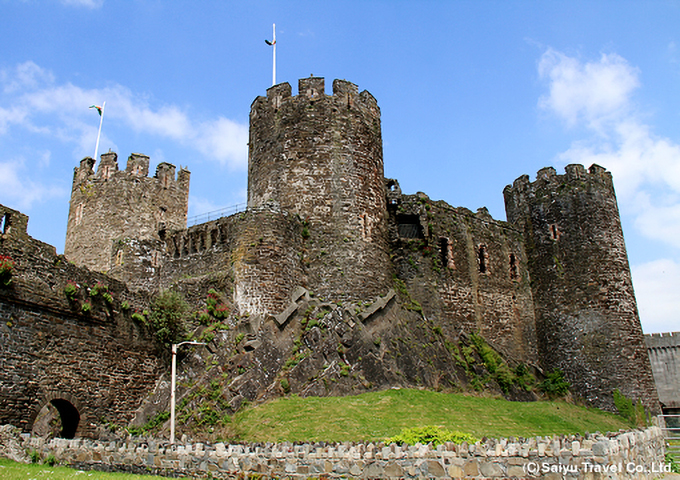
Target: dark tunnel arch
(56,408)
(70,417)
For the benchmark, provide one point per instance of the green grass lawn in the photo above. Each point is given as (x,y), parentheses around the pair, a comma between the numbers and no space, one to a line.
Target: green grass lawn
(10,470)
(378,415)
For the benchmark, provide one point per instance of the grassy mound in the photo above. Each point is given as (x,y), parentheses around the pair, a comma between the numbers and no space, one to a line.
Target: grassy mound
(378,415)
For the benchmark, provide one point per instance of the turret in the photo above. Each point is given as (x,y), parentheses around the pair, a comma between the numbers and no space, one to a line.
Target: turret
(117,205)
(587,320)
(319,157)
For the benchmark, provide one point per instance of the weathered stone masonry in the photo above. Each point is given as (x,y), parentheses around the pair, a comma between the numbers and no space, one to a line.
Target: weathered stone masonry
(587,321)
(632,455)
(320,157)
(119,205)
(94,367)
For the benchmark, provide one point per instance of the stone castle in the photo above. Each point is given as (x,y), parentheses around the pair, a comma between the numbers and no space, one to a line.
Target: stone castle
(332,266)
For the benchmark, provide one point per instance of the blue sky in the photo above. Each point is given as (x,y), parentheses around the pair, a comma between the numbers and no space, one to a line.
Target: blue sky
(473,94)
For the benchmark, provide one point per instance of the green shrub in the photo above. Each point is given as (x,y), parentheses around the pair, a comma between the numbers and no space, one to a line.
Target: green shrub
(216,307)
(86,307)
(153,424)
(430,434)
(97,288)
(554,384)
(168,316)
(204,318)
(523,377)
(285,385)
(125,306)
(634,413)
(35,456)
(675,466)
(50,460)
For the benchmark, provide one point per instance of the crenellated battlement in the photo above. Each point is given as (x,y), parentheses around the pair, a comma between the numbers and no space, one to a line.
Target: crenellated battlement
(137,167)
(547,177)
(345,94)
(663,340)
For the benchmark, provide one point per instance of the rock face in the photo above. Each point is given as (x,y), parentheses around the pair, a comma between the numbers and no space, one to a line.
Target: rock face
(332,281)
(11,445)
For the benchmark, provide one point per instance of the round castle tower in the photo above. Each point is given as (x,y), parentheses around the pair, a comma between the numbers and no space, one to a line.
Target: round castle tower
(113,205)
(320,157)
(587,320)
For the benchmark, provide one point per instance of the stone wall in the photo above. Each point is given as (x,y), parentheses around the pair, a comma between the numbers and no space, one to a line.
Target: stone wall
(664,354)
(587,322)
(255,255)
(80,353)
(637,454)
(468,272)
(116,205)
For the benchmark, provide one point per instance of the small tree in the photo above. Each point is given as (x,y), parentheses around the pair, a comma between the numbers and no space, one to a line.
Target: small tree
(168,316)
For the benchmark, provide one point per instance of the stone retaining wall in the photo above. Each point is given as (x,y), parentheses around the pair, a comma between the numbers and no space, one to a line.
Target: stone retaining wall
(636,454)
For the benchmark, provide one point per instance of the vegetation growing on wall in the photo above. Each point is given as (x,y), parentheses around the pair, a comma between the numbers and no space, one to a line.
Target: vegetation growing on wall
(168,316)
(633,412)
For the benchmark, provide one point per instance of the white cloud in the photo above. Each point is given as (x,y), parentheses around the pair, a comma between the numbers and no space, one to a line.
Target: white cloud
(16,188)
(225,140)
(657,284)
(83,3)
(24,75)
(37,103)
(645,166)
(591,91)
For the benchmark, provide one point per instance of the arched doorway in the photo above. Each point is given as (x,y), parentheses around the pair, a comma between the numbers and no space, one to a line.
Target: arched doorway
(57,418)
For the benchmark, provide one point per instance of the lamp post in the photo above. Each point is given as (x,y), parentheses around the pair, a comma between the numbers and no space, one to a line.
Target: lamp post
(172,386)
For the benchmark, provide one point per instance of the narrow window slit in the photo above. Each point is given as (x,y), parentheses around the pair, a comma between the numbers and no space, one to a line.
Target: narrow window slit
(514,267)
(483,259)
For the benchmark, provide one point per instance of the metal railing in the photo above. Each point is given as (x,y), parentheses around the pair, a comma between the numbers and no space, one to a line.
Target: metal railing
(670,424)
(215,214)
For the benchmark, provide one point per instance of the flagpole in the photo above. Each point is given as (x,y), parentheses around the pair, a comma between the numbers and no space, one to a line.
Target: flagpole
(274,56)
(101,119)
